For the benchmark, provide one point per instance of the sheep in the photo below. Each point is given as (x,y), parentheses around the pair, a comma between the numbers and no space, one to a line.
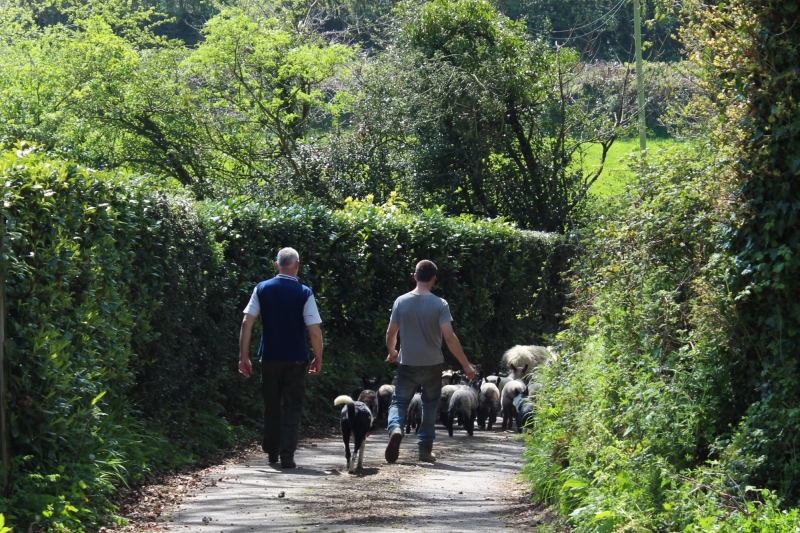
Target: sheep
(370,399)
(513,389)
(385,393)
(414,413)
(530,356)
(464,403)
(523,405)
(369,383)
(488,405)
(500,380)
(444,402)
(356,420)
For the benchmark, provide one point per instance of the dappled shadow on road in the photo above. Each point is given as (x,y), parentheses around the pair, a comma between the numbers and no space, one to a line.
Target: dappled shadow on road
(472,487)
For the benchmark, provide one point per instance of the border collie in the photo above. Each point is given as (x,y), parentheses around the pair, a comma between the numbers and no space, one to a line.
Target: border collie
(356,422)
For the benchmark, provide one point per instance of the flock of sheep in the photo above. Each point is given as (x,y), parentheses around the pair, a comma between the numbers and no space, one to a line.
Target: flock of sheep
(461,401)
(505,393)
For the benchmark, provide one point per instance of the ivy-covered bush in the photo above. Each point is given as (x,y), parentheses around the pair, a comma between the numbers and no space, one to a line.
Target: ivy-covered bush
(634,432)
(124,309)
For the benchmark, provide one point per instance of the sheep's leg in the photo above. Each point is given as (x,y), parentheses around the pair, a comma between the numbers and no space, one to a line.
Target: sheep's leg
(470,423)
(492,416)
(450,417)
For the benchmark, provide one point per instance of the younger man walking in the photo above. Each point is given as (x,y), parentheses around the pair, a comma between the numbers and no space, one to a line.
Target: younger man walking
(422,319)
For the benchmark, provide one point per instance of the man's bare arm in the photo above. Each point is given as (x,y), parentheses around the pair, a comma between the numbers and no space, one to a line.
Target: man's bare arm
(315,334)
(391,341)
(455,348)
(245,367)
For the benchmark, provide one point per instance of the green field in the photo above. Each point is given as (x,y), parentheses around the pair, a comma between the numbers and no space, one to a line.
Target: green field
(617,173)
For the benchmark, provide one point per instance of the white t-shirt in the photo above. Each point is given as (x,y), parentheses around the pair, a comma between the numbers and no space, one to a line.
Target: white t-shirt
(310,311)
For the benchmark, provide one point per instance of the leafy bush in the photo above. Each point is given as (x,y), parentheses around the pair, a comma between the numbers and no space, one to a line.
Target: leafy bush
(756,57)
(634,431)
(124,309)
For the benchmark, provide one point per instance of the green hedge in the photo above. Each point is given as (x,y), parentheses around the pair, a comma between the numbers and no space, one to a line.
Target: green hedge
(638,430)
(124,309)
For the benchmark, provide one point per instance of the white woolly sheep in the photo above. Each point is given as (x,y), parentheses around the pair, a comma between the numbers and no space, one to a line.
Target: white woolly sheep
(385,393)
(464,404)
(488,405)
(532,356)
(511,391)
(444,402)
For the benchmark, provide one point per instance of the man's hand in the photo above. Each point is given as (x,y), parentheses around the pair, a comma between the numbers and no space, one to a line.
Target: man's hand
(245,367)
(316,367)
(392,357)
(469,371)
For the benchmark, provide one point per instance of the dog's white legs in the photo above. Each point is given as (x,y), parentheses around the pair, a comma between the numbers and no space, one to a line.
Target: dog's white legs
(361,454)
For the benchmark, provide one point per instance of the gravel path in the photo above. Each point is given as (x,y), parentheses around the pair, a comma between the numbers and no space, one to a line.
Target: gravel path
(472,487)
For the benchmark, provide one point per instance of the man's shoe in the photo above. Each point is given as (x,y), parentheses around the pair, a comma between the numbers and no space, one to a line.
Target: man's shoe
(427,456)
(393,448)
(288,464)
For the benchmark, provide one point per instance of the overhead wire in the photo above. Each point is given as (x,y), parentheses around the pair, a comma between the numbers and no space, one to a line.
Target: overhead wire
(595,29)
(610,13)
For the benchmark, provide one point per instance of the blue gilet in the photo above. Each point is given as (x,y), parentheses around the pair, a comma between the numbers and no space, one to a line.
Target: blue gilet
(283,329)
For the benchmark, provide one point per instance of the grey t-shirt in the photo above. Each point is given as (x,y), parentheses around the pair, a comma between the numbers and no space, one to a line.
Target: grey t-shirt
(419,317)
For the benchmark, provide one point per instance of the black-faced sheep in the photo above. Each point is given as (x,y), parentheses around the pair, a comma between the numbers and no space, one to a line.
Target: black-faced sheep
(370,399)
(530,356)
(513,389)
(444,402)
(369,383)
(452,377)
(488,405)
(414,413)
(500,380)
(356,420)
(523,405)
(464,404)
(385,393)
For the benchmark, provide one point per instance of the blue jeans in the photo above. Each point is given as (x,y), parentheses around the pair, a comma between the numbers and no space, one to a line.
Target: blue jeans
(408,378)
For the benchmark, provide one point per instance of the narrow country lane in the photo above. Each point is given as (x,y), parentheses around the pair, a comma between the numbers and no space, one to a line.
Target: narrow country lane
(472,487)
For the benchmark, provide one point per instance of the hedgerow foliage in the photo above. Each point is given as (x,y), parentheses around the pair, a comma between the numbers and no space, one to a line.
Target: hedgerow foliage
(124,309)
(757,55)
(634,431)
(678,391)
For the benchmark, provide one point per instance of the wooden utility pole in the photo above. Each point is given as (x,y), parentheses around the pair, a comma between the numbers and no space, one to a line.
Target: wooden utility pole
(637,23)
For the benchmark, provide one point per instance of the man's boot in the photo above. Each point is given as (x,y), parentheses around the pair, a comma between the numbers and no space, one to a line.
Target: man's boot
(426,454)
(393,448)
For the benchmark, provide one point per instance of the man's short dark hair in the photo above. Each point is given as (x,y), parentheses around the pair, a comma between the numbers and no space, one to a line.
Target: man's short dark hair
(425,271)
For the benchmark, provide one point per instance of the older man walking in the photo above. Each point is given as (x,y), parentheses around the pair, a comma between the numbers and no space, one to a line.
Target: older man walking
(287,310)
(422,320)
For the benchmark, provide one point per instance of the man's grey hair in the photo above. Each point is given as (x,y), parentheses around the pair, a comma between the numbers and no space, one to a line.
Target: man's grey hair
(287,257)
